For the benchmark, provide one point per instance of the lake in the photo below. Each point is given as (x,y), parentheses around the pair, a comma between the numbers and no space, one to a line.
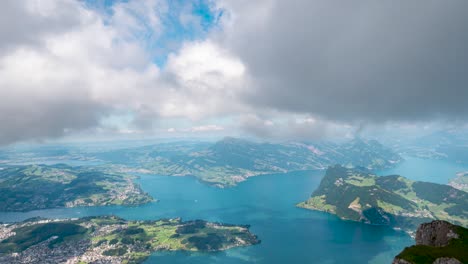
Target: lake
(438,171)
(267,203)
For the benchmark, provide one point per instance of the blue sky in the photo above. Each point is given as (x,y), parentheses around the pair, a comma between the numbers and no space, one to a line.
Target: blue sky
(175,32)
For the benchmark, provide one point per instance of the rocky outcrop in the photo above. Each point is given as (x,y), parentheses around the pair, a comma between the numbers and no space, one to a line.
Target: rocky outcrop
(447,261)
(400,261)
(435,234)
(434,245)
(437,261)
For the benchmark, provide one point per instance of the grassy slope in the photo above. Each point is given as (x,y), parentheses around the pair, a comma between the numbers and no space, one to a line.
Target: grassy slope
(231,160)
(391,200)
(31,187)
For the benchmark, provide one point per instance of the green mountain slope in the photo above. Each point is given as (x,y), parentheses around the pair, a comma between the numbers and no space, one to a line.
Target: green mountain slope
(231,160)
(32,187)
(356,194)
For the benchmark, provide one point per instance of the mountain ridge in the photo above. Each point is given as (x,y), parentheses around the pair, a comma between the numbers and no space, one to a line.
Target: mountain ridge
(358,195)
(231,160)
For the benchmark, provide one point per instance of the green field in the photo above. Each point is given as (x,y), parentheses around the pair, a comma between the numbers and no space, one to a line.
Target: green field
(121,240)
(387,200)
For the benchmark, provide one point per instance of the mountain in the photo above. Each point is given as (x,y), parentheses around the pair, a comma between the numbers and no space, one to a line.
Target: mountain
(231,160)
(148,153)
(300,156)
(438,242)
(449,145)
(33,187)
(358,195)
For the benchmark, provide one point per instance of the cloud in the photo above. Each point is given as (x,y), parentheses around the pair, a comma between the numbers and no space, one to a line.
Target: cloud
(282,126)
(207,128)
(58,83)
(276,69)
(26,23)
(76,77)
(207,81)
(366,60)
(197,129)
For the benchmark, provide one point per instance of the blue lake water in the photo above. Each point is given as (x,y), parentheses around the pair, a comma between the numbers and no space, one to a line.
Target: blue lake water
(438,171)
(267,203)
(288,234)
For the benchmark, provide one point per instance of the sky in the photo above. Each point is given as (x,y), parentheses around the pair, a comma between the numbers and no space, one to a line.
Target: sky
(270,69)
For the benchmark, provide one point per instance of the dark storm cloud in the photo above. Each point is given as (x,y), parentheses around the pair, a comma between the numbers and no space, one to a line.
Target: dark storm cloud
(26,117)
(355,60)
(36,100)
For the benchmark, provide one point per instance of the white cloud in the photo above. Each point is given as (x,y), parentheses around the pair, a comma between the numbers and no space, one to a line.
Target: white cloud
(207,80)
(139,20)
(65,68)
(205,63)
(71,79)
(287,126)
(207,128)
(197,129)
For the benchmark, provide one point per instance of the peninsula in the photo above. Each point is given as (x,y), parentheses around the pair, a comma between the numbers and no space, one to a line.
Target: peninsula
(33,187)
(358,195)
(110,239)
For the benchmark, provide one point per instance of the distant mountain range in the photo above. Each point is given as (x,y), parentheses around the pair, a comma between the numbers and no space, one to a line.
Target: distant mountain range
(232,160)
(446,145)
(358,195)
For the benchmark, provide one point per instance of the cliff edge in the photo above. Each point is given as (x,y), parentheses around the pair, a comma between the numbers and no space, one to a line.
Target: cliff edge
(437,242)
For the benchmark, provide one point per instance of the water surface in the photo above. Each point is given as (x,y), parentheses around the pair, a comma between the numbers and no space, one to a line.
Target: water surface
(437,171)
(267,203)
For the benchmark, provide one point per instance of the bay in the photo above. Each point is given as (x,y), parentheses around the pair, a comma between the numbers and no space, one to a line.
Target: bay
(289,234)
(267,203)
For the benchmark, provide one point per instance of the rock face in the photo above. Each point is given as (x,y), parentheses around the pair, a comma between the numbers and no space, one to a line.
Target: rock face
(437,261)
(400,261)
(447,261)
(435,234)
(437,242)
